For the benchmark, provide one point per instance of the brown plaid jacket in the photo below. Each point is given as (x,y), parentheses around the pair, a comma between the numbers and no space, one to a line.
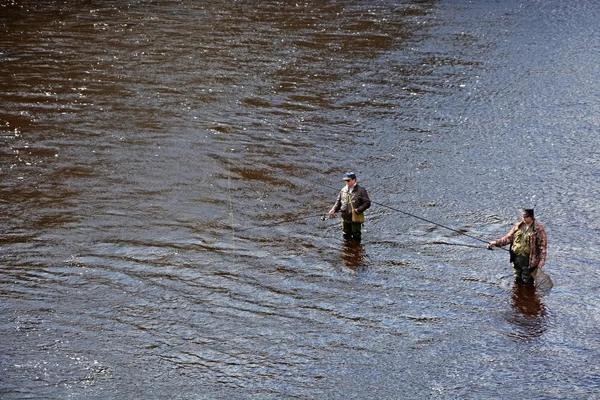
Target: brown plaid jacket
(537,242)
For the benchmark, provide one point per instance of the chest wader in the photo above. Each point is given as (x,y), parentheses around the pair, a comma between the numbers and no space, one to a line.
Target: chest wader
(521,262)
(351,230)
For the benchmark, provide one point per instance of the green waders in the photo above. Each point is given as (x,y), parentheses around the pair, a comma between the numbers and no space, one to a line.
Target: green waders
(522,270)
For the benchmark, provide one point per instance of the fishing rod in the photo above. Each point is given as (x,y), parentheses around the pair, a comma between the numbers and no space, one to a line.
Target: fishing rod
(414,216)
(429,221)
(323,217)
(440,225)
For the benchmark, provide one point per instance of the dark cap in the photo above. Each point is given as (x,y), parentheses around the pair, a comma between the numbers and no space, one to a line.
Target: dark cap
(349,176)
(528,212)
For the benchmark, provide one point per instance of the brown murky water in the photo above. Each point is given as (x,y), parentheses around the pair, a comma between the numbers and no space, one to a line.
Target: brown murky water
(163,166)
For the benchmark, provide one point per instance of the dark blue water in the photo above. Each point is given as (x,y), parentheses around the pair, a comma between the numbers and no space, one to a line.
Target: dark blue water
(151,150)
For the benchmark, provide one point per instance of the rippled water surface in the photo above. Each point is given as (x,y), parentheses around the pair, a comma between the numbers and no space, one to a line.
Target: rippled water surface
(164,164)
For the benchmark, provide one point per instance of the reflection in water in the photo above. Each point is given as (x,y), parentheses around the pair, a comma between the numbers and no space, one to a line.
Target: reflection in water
(353,254)
(529,312)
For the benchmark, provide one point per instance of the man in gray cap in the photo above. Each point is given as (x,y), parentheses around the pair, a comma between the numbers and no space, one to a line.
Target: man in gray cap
(352,199)
(527,240)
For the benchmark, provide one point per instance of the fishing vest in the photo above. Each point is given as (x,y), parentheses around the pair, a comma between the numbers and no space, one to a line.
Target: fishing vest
(521,241)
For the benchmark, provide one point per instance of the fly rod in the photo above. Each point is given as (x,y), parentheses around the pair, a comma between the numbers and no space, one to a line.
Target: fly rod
(429,221)
(285,221)
(435,223)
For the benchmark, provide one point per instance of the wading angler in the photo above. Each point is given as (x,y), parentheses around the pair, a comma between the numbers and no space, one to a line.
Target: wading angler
(527,240)
(352,201)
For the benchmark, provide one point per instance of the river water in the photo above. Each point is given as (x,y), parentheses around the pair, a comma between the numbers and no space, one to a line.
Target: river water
(154,154)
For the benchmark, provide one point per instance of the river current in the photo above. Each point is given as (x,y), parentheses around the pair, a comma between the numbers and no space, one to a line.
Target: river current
(164,166)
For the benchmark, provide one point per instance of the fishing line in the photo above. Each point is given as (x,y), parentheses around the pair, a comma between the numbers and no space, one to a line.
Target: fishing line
(229,195)
(323,217)
(411,215)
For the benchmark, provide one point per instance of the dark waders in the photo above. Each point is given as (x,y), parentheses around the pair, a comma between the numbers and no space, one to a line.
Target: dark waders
(351,230)
(522,270)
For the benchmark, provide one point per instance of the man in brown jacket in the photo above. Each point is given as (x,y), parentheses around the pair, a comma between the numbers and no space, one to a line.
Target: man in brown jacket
(527,240)
(352,196)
